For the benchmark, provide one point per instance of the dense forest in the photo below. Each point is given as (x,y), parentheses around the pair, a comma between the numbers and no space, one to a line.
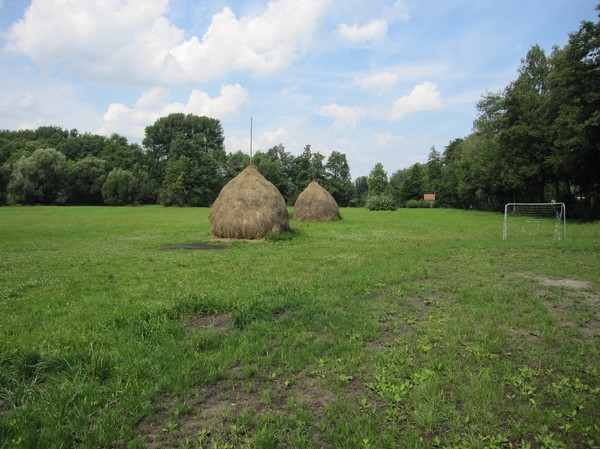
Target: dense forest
(537,140)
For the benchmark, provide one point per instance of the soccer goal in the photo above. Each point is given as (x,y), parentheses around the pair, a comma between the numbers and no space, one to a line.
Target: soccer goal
(535,220)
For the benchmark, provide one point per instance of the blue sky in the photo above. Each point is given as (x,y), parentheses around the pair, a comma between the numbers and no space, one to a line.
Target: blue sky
(379,80)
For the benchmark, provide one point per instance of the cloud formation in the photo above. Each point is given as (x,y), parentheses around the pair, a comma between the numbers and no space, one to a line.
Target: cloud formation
(133,41)
(376,30)
(131,121)
(423,97)
(343,116)
(381,80)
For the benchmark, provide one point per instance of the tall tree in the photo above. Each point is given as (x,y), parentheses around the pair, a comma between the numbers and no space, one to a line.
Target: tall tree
(524,137)
(378,181)
(396,182)
(200,139)
(361,190)
(412,188)
(447,194)
(338,181)
(435,165)
(308,167)
(575,107)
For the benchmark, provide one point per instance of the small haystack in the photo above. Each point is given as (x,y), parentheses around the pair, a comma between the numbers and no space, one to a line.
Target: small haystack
(316,204)
(248,207)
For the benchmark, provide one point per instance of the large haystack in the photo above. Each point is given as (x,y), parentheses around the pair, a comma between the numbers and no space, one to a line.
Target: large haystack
(248,207)
(316,204)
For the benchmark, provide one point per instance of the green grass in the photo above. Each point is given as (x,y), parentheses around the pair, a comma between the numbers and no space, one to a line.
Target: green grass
(413,328)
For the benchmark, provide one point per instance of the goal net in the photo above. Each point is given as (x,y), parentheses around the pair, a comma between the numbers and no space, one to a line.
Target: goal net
(535,220)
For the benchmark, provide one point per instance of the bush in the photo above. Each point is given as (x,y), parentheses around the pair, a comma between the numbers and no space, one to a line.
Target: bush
(413,204)
(380,202)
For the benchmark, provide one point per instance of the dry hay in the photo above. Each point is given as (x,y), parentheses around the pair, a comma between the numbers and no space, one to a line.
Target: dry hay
(248,207)
(316,204)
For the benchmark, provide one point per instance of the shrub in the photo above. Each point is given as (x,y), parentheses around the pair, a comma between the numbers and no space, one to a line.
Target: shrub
(380,202)
(413,204)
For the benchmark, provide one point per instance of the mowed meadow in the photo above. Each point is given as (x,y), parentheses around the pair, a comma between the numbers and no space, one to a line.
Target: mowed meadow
(413,328)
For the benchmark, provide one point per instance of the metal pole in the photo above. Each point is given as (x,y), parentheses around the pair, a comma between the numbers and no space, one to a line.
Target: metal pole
(250,140)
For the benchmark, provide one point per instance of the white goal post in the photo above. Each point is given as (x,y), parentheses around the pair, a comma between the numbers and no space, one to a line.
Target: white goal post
(535,220)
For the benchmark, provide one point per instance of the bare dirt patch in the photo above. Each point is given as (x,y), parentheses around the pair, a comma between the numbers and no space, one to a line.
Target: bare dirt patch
(571,303)
(213,412)
(552,282)
(219,323)
(568,283)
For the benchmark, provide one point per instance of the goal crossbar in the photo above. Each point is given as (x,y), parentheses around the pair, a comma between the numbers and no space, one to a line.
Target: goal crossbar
(535,220)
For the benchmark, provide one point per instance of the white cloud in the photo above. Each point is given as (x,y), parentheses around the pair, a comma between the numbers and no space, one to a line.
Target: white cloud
(132,40)
(388,78)
(376,30)
(423,97)
(381,80)
(271,138)
(343,116)
(122,119)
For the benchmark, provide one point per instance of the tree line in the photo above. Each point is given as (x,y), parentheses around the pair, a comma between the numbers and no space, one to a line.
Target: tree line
(181,162)
(537,140)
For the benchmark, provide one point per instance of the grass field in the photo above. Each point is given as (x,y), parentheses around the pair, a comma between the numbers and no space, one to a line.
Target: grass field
(414,328)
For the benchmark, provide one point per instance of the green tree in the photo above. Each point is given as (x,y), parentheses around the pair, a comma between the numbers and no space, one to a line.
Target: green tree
(524,135)
(50,136)
(235,163)
(377,181)
(271,167)
(412,188)
(338,181)
(178,135)
(120,188)
(5,170)
(575,108)
(85,180)
(308,167)
(118,154)
(396,182)
(435,167)
(77,146)
(361,190)
(478,185)
(187,183)
(447,194)
(39,178)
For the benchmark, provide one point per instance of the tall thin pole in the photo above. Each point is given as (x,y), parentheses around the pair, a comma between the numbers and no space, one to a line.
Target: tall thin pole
(250,140)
